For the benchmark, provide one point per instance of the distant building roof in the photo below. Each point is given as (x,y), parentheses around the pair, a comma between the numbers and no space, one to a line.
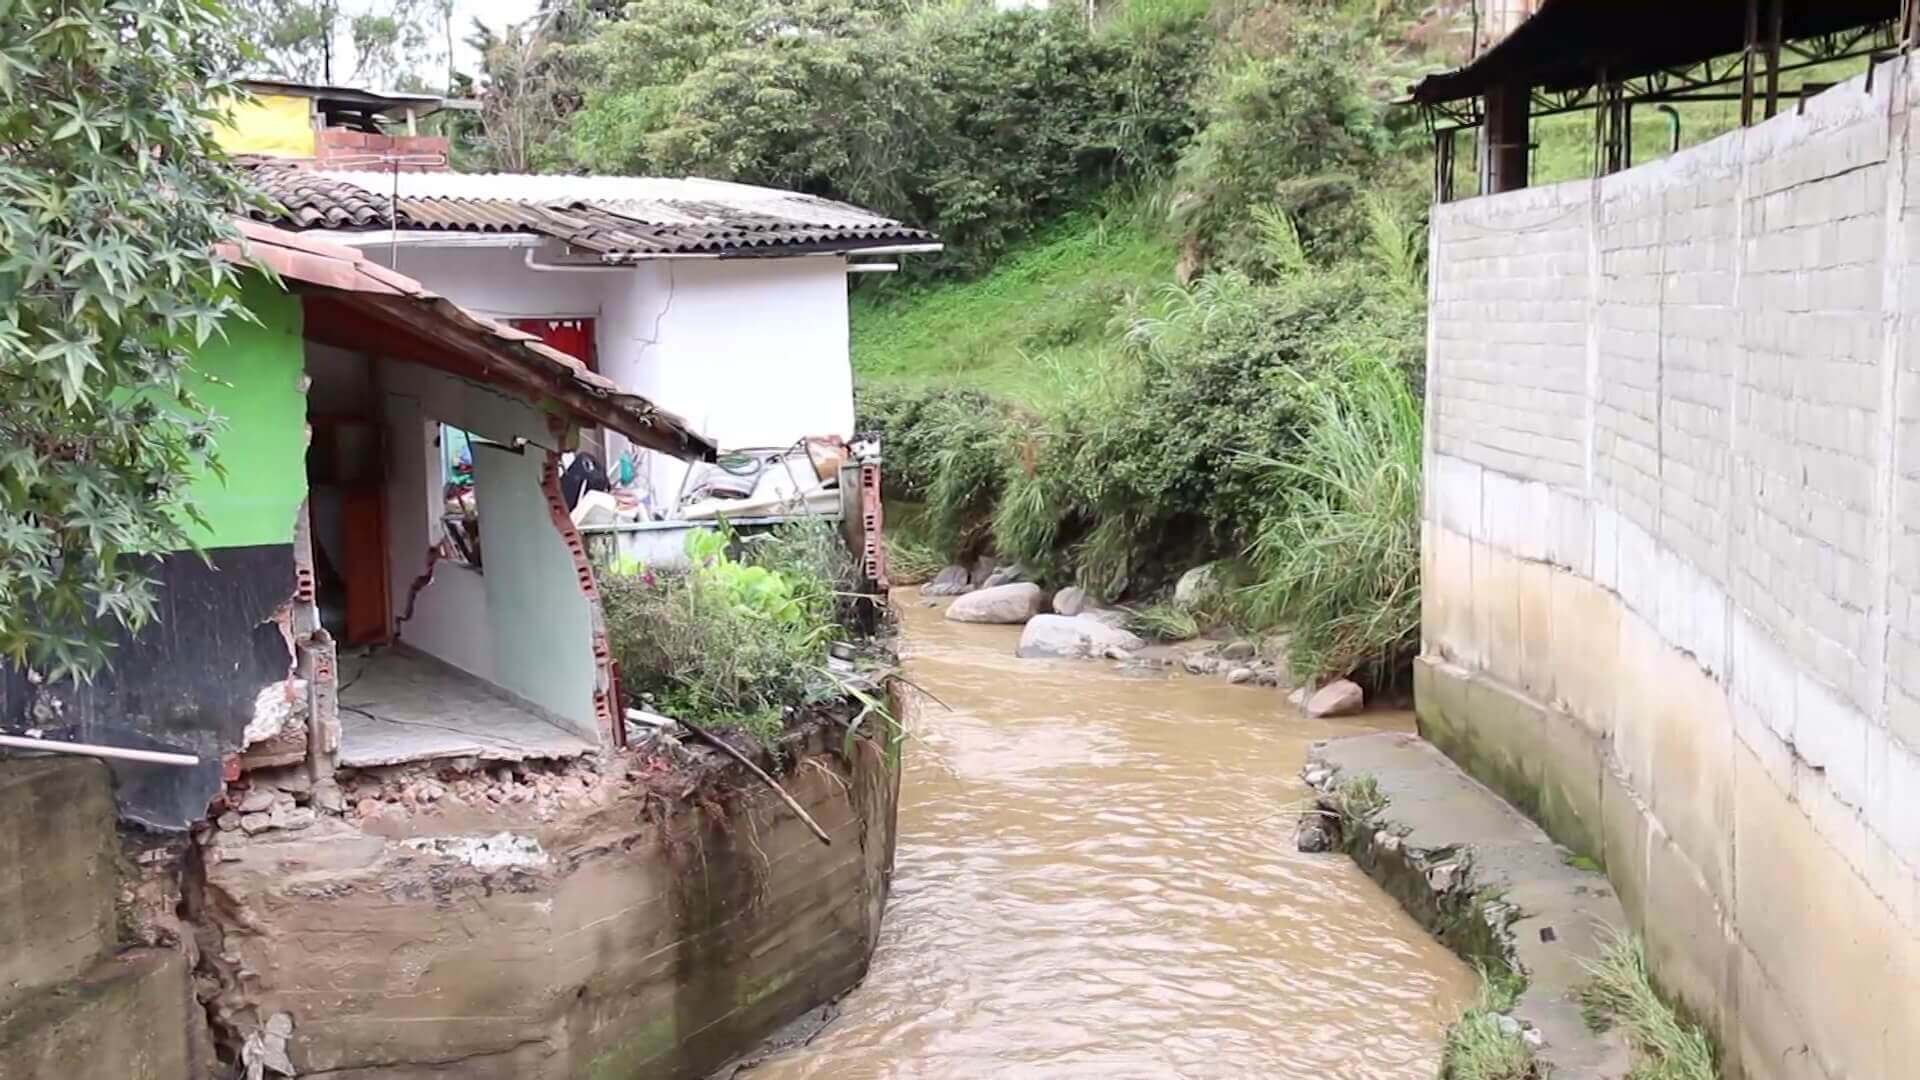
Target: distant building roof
(356,99)
(411,319)
(611,216)
(1569,44)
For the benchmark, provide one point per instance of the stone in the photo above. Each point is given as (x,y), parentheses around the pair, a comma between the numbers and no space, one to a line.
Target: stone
(951,581)
(367,807)
(254,824)
(1070,601)
(1200,664)
(1007,575)
(1442,878)
(1240,675)
(293,817)
(280,1024)
(1298,699)
(983,568)
(1196,586)
(1238,650)
(257,801)
(1079,636)
(229,821)
(1508,1026)
(1115,652)
(1341,697)
(327,796)
(1113,617)
(1312,835)
(294,779)
(1317,776)
(1007,605)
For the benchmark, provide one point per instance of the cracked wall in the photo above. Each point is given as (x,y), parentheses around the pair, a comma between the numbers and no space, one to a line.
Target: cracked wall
(1673,494)
(606,918)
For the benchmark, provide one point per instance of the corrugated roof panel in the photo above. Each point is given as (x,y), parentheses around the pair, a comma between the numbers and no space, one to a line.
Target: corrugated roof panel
(611,215)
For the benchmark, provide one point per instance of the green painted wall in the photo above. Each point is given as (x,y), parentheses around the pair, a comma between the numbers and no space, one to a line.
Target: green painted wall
(252,380)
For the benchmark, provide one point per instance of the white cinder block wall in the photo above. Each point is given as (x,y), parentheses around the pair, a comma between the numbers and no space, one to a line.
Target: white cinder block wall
(1685,399)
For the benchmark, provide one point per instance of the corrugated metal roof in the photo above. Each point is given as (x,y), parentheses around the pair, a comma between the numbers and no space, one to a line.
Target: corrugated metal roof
(608,215)
(514,356)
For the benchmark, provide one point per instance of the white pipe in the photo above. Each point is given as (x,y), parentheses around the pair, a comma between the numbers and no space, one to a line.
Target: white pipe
(55,746)
(872,268)
(900,249)
(558,268)
(435,238)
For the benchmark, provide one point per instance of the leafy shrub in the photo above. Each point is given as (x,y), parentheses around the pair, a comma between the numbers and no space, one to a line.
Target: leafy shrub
(970,121)
(1340,560)
(1298,130)
(722,643)
(812,557)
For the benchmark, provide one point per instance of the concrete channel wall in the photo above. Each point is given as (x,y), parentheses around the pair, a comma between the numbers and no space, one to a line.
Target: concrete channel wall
(1672,558)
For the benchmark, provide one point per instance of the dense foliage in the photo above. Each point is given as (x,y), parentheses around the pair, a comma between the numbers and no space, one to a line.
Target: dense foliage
(976,123)
(113,195)
(730,641)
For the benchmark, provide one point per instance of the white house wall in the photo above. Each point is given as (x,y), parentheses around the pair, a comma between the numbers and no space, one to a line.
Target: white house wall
(521,621)
(752,352)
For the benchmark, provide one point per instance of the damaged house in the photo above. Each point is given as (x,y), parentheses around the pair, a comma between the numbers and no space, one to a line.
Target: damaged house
(345,520)
(724,303)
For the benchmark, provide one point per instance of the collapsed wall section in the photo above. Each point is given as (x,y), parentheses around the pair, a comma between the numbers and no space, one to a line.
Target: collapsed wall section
(1670,560)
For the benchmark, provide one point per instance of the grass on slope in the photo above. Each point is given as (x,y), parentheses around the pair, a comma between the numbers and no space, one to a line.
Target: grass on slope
(1042,313)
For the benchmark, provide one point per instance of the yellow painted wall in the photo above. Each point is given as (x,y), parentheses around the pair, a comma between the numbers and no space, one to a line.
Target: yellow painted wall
(278,125)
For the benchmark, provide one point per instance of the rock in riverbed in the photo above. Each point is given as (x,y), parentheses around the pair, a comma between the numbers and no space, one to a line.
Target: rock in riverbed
(1070,601)
(949,582)
(1078,636)
(1341,697)
(1005,604)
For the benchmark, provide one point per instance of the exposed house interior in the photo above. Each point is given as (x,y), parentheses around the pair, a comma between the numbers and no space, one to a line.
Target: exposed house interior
(416,476)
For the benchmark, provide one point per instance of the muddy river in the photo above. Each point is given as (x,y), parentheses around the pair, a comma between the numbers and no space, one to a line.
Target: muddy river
(1096,878)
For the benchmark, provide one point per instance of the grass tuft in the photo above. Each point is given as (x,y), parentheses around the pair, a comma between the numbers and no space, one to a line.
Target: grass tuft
(910,562)
(1480,1046)
(1665,1046)
(1359,799)
(1164,622)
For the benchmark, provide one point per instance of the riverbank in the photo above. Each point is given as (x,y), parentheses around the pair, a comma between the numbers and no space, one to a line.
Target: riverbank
(1096,878)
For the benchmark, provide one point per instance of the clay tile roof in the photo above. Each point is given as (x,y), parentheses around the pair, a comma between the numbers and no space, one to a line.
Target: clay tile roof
(513,357)
(612,216)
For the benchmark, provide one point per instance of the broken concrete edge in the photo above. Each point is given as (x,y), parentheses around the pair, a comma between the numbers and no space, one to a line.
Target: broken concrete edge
(163,903)
(1437,886)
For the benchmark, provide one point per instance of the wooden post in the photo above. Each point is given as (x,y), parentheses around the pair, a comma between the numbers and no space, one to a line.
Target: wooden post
(1504,139)
(1443,142)
(1746,63)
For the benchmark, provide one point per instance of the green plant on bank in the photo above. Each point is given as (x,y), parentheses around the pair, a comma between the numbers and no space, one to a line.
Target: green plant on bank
(1479,1046)
(722,643)
(113,195)
(910,562)
(1621,992)
(1341,562)
(1164,622)
(1358,799)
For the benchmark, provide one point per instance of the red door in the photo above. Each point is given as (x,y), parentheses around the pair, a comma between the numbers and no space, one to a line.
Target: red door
(571,336)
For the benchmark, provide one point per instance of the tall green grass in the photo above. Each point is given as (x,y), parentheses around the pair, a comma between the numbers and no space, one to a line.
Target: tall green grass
(1665,1046)
(1341,562)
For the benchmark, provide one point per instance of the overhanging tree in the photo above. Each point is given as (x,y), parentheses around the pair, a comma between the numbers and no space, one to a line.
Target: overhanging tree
(113,195)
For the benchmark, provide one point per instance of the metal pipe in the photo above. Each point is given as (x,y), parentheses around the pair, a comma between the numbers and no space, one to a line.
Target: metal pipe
(54,746)
(1673,127)
(561,268)
(872,268)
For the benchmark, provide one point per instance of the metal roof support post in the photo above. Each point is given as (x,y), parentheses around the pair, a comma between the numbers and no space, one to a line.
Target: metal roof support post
(1775,26)
(1505,139)
(1746,63)
(1443,144)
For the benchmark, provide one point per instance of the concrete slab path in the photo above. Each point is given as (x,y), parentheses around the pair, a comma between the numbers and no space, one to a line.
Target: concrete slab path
(1456,836)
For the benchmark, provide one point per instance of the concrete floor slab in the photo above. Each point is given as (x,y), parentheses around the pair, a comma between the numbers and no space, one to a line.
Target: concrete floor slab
(397,705)
(1565,911)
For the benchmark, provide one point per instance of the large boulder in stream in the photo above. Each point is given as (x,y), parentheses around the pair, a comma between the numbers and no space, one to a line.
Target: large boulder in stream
(1072,637)
(1341,697)
(1006,604)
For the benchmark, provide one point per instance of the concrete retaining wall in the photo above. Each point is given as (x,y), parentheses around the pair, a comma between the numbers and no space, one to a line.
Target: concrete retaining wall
(1671,563)
(654,930)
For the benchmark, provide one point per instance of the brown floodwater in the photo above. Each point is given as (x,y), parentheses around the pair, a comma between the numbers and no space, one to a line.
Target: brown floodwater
(1096,878)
